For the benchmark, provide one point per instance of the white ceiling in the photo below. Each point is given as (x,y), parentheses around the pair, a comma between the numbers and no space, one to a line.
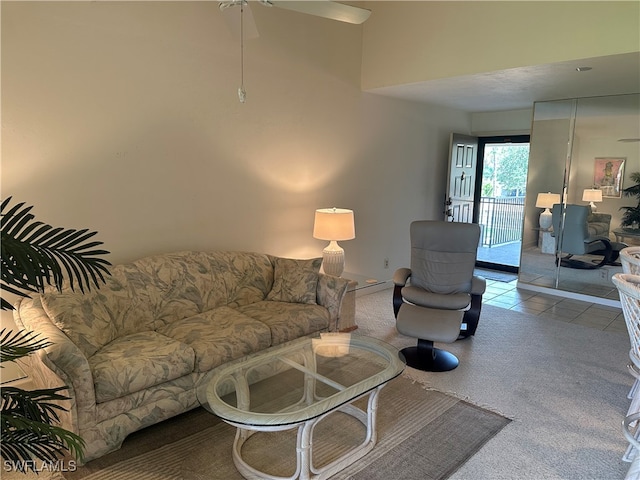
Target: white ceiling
(519,88)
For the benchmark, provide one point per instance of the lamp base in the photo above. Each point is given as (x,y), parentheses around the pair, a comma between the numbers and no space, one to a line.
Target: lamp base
(546,219)
(333,259)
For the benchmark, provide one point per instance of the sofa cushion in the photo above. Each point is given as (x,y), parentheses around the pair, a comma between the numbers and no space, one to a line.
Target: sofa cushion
(138,361)
(83,318)
(219,335)
(288,321)
(180,285)
(295,281)
(126,297)
(248,277)
(183,284)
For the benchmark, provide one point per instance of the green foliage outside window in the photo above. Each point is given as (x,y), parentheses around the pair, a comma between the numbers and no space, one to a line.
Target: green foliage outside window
(505,170)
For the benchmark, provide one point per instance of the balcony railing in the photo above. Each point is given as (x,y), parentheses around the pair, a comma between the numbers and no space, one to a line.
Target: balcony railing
(501,220)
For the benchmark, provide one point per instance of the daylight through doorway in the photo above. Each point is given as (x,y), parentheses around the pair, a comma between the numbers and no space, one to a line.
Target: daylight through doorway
(500,200)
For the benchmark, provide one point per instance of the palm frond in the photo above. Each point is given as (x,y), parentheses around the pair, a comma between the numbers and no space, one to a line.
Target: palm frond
(35,255)
(632,191)
(24,440)
(19,344)
(32,405)
(631,215)
(27,427)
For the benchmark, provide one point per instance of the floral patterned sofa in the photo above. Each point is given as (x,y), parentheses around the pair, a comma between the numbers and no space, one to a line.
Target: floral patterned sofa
(133,351)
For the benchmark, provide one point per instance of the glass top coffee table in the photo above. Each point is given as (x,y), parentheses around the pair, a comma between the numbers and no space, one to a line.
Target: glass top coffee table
(296,385)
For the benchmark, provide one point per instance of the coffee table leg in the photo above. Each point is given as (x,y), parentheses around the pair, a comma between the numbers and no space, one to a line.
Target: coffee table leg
(368,419)
(304,449)
(304,444)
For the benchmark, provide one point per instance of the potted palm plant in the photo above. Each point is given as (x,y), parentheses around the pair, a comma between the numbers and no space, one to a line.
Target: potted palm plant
(631,215)
(35,255)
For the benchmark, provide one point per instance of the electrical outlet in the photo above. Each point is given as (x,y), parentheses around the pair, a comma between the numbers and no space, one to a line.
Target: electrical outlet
(604,273)
(386,263)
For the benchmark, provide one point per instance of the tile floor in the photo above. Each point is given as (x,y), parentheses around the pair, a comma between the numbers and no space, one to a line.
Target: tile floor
(506,295)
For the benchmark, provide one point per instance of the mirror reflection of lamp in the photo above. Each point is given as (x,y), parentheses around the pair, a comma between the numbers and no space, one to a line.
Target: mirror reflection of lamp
(333,224)
(592,195)
(546,201)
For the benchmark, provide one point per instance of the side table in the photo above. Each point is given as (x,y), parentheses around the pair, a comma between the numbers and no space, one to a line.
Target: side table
(358,285)
(622,233)
(546,241)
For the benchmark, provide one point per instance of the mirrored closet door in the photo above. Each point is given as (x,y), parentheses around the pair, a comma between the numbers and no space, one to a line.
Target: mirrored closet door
(583,153)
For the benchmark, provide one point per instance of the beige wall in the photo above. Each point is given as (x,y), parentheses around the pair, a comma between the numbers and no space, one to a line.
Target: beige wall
(408,42)
(123,117)
(512,122)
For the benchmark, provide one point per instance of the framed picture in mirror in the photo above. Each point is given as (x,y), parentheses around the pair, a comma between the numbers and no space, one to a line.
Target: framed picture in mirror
(608,175)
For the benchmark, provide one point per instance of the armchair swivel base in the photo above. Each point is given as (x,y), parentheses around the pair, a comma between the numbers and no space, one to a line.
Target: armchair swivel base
(610,252)
(443,327)
(427,358)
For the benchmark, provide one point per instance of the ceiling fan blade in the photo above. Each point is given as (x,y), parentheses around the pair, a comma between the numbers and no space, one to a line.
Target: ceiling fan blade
(231,14)
(326,9)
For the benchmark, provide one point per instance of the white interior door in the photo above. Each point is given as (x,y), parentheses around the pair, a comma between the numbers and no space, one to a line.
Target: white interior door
(461,183)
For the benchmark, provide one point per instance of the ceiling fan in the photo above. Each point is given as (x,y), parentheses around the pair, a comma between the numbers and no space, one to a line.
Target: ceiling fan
(319,8)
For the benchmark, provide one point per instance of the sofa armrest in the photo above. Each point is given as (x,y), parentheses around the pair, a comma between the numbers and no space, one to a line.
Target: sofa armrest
(330,293)
(61,363)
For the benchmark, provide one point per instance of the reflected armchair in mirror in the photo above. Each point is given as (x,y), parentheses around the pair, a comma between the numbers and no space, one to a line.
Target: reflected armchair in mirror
(573,237)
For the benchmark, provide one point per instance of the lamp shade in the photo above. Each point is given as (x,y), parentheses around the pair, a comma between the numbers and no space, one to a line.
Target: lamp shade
(547,200)
(592,195)
(334,224)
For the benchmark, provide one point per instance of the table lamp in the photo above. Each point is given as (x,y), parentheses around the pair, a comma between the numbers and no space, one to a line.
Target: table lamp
(592,195)
(333,224)
(546,201)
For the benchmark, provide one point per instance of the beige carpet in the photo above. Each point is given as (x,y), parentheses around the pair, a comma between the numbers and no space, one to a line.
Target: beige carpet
(564,385)
(422,434)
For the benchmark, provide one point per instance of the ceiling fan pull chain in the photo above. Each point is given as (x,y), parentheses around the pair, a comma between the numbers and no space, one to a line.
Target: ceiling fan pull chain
(242,94)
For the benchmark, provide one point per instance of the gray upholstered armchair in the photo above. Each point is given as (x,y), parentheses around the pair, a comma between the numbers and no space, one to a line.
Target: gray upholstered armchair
(438,299)
(573,237)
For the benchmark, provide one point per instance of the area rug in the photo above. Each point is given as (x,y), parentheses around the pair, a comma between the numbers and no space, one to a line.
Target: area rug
(422,434)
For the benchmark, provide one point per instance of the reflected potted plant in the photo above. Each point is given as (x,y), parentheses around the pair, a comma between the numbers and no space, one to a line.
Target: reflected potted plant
(34,256)
(631,215)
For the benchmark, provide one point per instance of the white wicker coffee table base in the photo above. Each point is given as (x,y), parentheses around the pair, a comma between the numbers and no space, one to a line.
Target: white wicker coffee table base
(305,470)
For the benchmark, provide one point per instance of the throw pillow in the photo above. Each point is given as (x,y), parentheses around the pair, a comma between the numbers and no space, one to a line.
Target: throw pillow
(295,281)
